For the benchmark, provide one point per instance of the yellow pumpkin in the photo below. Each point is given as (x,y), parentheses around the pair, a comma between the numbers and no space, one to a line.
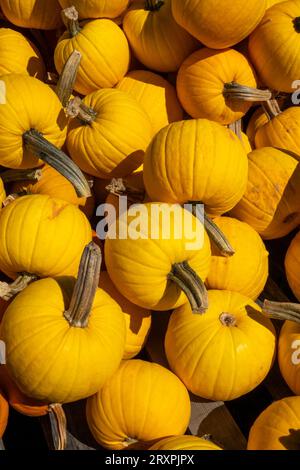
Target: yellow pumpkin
(196,160)
(40,14)
(2,192)
(271,202)
(219,85)
(156,95)
(157,265)
(277,427)
(273,46)
(113,142)
(292,264)
(64,339)
(4,410)
(226,352)
(289,355)
(246,143)
(271,3)
(156,39)
(219,24)
(247,270)
(96,8)
(184,443)
(257,120)
(166,411)
(104,49)
(138,320)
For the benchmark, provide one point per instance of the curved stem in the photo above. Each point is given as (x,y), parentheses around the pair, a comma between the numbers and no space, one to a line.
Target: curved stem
(11,176)
(191,284)
(76,108)
(85,287)
(119,187)
(7,291)
(56,158)
(65,85)
(282,310)
(271,108)
(236,127)
(70,19)
(235,91)
(58,423)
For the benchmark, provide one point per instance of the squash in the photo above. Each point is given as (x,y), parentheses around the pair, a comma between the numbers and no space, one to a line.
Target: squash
(257,120)
(157,41)
(225,353)
(271,202)
(236,127)
(138,320)
(39,14)
(96,8)
(2,192)
(158,256)
(4,409)
(166,411)
(274,44)
(19,55)
(277,427)
(291,263)
(65,349)
(184,443)
(289,355)
(219,85)
(247,270)
(156,95)
(104,49)
(110,137)
(216,23)
(271,3)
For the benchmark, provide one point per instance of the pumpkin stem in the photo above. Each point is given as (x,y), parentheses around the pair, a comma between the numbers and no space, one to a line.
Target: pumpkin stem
(271,108)
(65,85)
(296,22)
(191,284)
(119,187)
(12,197)
(154,5)
(11,176)
(282,310)
(7,291)
(76,108)
(58,424)
(70,19)
(129,441)
(235,91)
(236,127)
(85,287)
(43,149)
(227,319)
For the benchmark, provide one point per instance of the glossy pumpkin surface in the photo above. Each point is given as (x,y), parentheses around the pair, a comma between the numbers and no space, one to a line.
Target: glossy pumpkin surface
(40,14)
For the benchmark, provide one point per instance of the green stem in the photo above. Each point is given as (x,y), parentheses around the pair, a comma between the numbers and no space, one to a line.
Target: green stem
(12,176)
(7,291)
(70,19)
(65,85)
(235,91)
(282,311)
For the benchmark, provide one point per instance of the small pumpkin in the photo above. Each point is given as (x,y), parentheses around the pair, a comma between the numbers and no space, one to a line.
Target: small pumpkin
(219,85)
(292,263)
(156,95)
(277,427)
(39,14)
(96,8)
(166,411)
(156,39)
(226,352)
(216,23)
(4,409)
(184,443)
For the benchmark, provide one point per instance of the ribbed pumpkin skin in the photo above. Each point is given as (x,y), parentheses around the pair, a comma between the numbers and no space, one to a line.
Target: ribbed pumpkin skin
(4,409)
(281,132)
(156,95)
(273,47)
(218,362)
(105,55)
(96,8)
(216,23)
(257,120)
(201,79)
(40,14)
(289,355)
(271,202)
(184,443)
(271,3)
(292,265)
(277,427)
(48,359)
(42,236)
(139,268)
(196,160)
(172,43)
(21,112)
(138,320)
(114,145)
(166,410)
(246,143)
(2,192)
(247,270)
(18,55)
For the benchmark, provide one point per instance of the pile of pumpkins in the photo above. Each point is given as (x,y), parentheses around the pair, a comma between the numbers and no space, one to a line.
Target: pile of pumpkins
(167,102)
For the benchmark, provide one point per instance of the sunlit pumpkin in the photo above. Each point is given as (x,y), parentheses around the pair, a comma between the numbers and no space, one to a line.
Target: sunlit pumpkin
(184,443)
(96,8)
(292,265)
(40,14)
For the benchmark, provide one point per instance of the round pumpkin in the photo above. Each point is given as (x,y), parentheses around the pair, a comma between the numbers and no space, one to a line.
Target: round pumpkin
(216,23)
(226,352)
(247,270)
(96,8)
(18,55)
(184,443)
(138,320)
(289,355)
(165,412)
(2,192)
(156,95)
(4,409)
(292,264)
(196,160)
(156,39)
(271,202)
(39,14)
(277,427)
(257,120)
